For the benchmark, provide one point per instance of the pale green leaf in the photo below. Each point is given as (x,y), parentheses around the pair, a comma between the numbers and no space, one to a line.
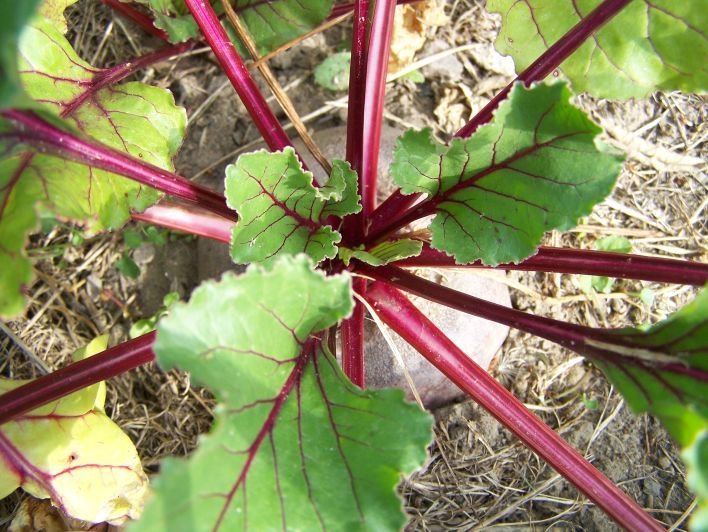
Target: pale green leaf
(54,11)
(13,18)
(295,446)
(695,457)
(281,211)
(140,120)
(71,452)
(333,72)
(534,168)
(383,253)
(649,45)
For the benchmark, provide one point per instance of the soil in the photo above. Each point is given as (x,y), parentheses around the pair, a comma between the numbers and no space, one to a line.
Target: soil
(479,476)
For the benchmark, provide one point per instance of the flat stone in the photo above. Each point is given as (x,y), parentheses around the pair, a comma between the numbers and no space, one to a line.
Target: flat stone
(480,339)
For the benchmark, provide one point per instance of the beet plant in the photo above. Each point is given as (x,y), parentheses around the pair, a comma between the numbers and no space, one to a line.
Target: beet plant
(297,443)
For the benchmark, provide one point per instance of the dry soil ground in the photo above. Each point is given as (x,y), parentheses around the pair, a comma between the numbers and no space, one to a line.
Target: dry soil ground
(478,475)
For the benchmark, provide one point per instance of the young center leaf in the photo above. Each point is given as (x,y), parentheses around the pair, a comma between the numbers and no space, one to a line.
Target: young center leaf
(664,371)
(135,118)
(295,446)
(270,23)
(71,452)
(657,44)
(280,210)
(535,167)
(383,253)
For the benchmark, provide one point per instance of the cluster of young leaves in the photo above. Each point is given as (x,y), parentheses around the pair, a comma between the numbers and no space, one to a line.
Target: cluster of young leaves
(71,451)
(132,117)
(295,445)
(649,45)
(270,23)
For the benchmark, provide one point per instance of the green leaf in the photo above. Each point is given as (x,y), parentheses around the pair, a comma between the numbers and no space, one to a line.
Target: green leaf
(663,370)
(13,18)
(383,253)
(127,266)
(295,446)
(280,210)
(696,459)
(333,72)
(535,167)
(615,243)
(71,452)
(601,283)
(270,23)
(649,45)
(132,117)
(54,11)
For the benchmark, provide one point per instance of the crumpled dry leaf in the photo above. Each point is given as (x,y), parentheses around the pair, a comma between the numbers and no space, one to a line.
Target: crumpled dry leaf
(411,24)
(36,515)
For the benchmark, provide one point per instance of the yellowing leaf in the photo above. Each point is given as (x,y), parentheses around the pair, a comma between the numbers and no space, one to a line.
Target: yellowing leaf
(71,452)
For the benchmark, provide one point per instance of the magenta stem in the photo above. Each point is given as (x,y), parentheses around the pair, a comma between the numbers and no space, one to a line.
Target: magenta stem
(48,388)
(391,209)
(357,87)
(34,131)
(352,331)
(353,339)
(566,334)
(601,344)
(343,9)
(353,226)
(375,93)
(138,17)
(414,327)
(235,69)
(187,218)
(581,261)
(550,59)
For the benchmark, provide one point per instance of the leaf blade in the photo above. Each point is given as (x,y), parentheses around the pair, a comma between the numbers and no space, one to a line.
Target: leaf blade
(140,120)
(292,433)
(647,46)
(270,24)
(280,210)
(496,193)
(71,452)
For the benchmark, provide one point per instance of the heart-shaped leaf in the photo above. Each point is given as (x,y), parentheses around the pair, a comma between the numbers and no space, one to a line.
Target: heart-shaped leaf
(535,167)
(295,446)
(281,211)
(649,45)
